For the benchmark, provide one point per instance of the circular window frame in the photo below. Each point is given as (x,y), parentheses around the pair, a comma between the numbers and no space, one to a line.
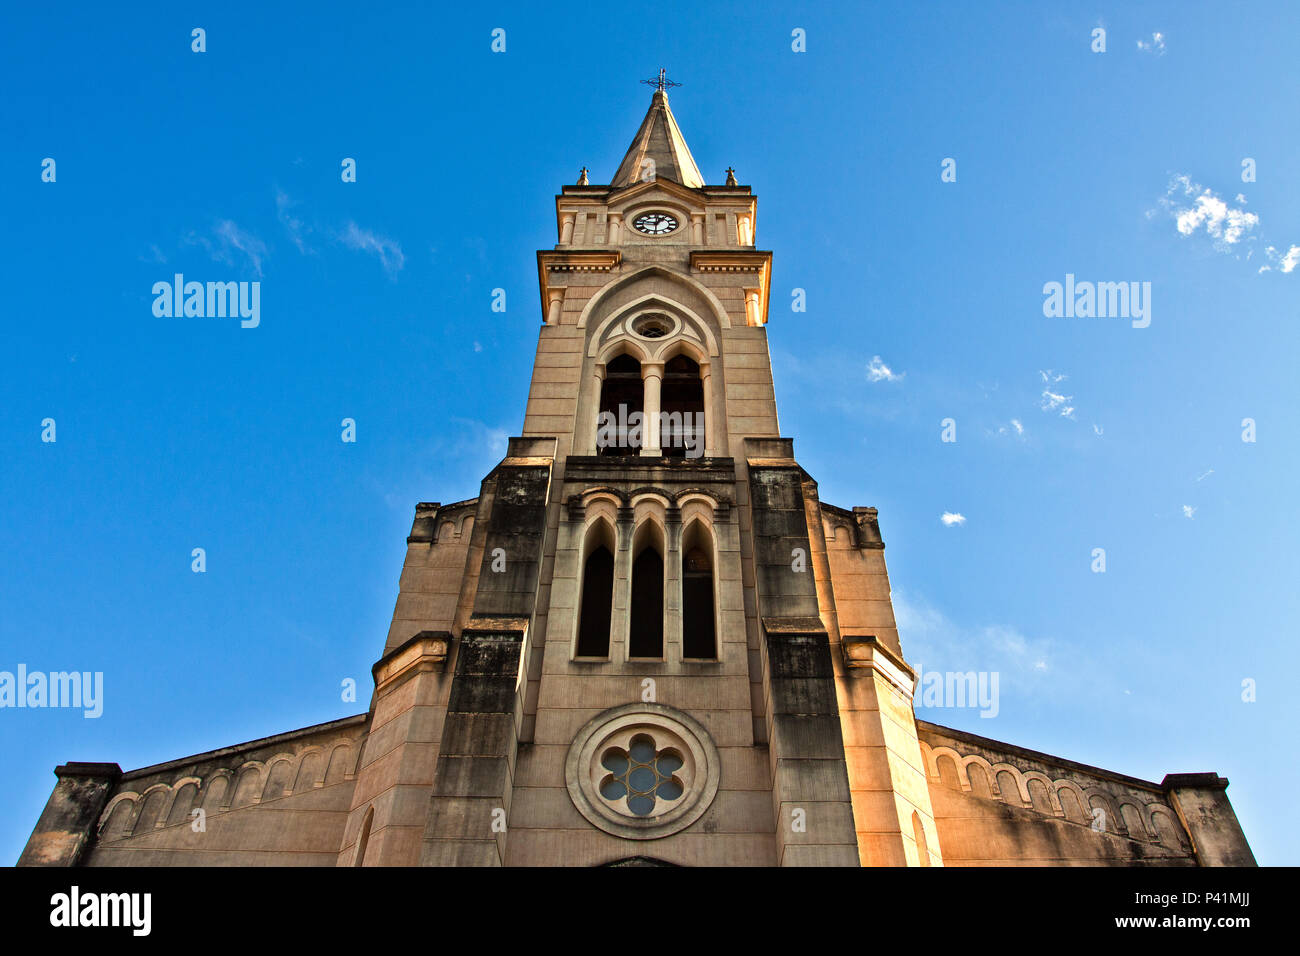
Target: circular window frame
(670,728)
(672,322)
(671,214)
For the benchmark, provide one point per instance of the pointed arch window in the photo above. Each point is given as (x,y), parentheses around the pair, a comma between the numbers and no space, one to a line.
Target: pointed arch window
(597,592)
(646,633)
(699,630)
(681,432)
(364,840)
(918,833)
(621,393)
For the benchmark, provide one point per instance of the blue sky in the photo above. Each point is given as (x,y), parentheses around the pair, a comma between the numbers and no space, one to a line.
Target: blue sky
(1072,433)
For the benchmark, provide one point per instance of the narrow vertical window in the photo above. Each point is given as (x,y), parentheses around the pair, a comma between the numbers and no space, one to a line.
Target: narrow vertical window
(646,633)
(364,840)
(918,831)
(597,597)
(699,638)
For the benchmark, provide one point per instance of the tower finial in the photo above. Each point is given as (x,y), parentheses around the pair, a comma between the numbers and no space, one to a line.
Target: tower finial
(582,177)
(731,176)
(660,82)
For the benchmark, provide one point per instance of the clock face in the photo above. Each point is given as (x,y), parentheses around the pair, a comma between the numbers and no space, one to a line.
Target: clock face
(655,223)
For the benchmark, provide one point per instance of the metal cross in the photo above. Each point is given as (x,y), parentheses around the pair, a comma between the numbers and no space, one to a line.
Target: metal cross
(661,82)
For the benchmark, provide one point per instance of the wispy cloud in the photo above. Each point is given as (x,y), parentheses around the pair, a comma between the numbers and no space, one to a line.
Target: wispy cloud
(229,244)
(1038,674)
(878,371)
(388,250)
(474,437)
(1189,511)
(952,518)
(293,224)
(935,642)
(1014,427)
(1204,475)
(1053,401)
(1155,46)
(155,255)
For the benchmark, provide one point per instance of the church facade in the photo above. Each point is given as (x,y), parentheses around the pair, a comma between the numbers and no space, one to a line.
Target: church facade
(647,640)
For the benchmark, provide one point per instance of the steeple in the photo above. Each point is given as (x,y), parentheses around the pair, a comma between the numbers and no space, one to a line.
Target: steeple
(659,150)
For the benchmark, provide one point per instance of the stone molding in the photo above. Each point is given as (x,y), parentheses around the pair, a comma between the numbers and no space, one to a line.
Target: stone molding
(426,651)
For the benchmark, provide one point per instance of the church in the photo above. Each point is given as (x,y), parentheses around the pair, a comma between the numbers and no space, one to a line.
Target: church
(647,641)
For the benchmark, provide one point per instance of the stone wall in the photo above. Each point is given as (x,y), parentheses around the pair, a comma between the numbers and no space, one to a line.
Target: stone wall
(279,801)
(1000,805)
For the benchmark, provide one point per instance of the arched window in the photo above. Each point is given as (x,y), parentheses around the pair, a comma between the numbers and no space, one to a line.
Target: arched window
(621,393)
(699,639)
(646,635)
(597,591)
(364,840)
(681,400)
(918,832)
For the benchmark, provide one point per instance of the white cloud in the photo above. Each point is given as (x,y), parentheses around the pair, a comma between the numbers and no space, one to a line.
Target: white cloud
(950,518)
(1226,225)
(389,251)
(1207,474)
(1213,213)
(1285,261)
(1189,511)
(1097,430)
(1155,45)
(878,371)
(1194,207)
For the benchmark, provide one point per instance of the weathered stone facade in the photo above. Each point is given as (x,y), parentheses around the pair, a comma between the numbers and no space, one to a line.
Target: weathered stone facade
(529,709)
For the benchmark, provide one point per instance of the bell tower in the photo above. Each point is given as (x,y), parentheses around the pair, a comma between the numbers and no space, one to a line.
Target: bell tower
(628,646)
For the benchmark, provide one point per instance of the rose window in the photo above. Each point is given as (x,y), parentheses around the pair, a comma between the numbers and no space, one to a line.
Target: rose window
(642,771)
(642,774)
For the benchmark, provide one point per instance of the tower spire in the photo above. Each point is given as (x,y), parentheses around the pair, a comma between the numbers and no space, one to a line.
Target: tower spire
(658,150)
